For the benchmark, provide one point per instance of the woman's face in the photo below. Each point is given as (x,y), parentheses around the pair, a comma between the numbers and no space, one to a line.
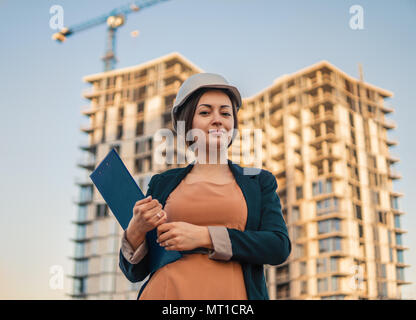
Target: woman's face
(214,117)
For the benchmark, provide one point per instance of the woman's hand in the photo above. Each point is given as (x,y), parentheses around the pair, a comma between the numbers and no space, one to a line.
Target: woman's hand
(183,236)
(147,215)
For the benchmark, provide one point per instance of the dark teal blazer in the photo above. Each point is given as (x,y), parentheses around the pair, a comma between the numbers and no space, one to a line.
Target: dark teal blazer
(265,239)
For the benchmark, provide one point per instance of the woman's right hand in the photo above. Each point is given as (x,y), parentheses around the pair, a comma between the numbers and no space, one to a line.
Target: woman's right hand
(147,215)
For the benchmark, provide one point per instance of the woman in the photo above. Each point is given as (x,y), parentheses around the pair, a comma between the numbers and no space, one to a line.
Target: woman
(214,225)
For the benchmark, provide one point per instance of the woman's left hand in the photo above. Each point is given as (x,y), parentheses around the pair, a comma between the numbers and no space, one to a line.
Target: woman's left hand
(183,236)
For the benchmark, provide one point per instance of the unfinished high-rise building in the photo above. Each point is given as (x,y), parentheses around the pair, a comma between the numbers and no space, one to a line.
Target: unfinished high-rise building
(324,137)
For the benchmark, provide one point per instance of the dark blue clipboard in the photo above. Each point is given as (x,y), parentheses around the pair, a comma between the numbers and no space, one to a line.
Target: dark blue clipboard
(121,192)
(117,187)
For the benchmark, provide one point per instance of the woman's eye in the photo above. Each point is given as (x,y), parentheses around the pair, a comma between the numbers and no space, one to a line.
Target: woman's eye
(227,114)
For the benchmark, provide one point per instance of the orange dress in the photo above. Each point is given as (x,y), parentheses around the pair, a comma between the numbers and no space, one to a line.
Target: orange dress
(196,276)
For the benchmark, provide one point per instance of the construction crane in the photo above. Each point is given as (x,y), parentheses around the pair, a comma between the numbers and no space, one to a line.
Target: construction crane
(114,19)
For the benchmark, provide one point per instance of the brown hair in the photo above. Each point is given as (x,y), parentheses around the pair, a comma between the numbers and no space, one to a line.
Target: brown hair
(187,111)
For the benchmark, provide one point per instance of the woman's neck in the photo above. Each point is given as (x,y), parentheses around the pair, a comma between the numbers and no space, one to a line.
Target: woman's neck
(211,169)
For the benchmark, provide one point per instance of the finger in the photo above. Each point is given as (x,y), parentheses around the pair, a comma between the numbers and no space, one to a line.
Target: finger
(158,218)
(167,236)
(150,213)
(163,228)
(144,200)
(163,218)
(144,208)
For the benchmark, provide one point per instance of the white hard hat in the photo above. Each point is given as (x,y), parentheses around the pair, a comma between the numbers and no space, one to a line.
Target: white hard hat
(197,81)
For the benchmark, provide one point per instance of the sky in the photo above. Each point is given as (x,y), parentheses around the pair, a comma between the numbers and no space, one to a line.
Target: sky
(251,43)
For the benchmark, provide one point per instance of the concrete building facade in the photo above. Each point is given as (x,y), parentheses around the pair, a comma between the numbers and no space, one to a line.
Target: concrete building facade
(322,133)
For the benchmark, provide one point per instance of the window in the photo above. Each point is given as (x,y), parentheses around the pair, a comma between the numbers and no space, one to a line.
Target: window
(394,203)
(81,267)
(302,268)
(321,264)
(321,187)
(360,230)
(328,284)
(103,135)
(327,226)
(140,128)
(322,285)
(299,251)
(299,192)
(326,206)
(334,283)
(81,231)
(381,270)
(140,146)
(358,212)
(382,217)
(400,273)
(295,214)
(101,210)
(79,249)
(119,131)
(399,239)
(82,213)
(382,289)
(375,197)
(397,221)
(400,256)
(85,194)
(140,107)
(303,287)
(334,264)
(330,244)
(299,232)
(138,165)
(80,286)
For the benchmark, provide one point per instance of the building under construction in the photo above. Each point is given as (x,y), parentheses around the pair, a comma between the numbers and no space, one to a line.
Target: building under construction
(324,137)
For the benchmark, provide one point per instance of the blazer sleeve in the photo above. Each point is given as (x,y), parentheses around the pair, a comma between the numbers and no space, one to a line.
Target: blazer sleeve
(270,244)
(136,272)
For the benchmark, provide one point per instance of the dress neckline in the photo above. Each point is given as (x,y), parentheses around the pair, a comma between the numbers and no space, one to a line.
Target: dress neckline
(209,182)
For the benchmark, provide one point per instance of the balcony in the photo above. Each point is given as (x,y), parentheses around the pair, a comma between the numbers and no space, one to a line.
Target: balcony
(172,88)
(394,175)
(91,93)
(87,110)
(391,142)
(392,159)
(387,123)
(88,147)
(87,128)
(320,99)
(330,137)
(86,162)
(83,182)
(86,199)
(282,278)
(320,155)
(386,108)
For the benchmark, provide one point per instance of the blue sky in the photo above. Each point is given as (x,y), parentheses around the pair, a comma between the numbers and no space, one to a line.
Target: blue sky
(249,42)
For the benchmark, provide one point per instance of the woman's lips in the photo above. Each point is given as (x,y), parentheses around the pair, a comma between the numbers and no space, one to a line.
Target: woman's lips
(216,133)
